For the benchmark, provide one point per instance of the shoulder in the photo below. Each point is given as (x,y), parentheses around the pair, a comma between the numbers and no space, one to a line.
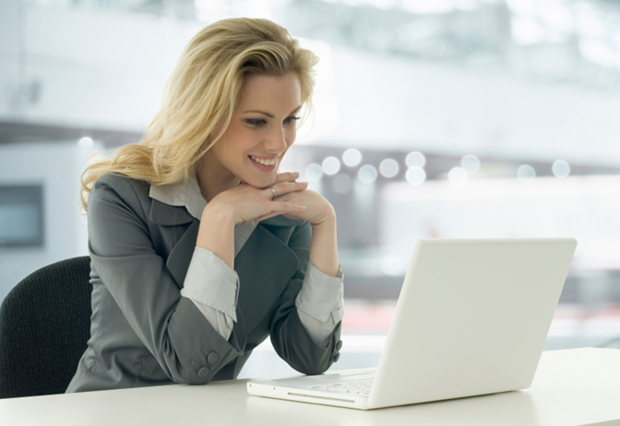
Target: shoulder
(114,189)
(121,184)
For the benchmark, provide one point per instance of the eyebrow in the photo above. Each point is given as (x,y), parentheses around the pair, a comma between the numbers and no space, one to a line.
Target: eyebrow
(269,114)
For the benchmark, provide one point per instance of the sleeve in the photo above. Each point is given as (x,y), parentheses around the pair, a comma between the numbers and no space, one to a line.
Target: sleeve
(289,336)
(213,287)
(320,303)
(186,346)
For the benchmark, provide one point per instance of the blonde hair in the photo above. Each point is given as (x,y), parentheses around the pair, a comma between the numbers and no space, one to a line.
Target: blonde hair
(200,96)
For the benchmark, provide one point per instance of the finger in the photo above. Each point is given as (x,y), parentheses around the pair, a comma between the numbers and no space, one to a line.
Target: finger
(286,177)
(283,207)
(290,214)
(289,208)
(277,208)
(280,207)
(284,188)
(271,193)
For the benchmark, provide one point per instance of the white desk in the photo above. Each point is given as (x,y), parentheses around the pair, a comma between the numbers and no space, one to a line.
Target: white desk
(572,387)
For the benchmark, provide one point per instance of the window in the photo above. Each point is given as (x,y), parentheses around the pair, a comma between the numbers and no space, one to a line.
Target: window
(21,215)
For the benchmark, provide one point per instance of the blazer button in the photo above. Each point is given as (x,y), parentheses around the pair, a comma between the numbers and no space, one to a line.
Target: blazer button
(339,345)
(337,357)
(212,358)
(203,373)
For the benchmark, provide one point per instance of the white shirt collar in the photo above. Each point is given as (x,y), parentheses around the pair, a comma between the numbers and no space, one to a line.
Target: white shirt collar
(180,194)
(189,196)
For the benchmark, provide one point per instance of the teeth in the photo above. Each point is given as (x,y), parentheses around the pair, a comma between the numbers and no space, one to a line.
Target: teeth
(264,162)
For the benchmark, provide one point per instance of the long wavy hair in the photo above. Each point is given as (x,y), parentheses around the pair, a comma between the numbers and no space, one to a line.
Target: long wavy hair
(200,96)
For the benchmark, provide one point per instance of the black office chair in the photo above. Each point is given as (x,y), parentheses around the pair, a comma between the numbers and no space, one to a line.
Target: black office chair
(44,327)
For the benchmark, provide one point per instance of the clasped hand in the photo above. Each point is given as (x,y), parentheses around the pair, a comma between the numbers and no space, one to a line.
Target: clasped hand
(293,200)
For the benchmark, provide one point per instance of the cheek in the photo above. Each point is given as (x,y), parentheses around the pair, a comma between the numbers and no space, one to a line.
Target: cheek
(247,139)
(291,134)
(236,144)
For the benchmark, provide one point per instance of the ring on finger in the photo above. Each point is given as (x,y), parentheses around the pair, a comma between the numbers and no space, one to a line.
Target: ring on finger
(273,193)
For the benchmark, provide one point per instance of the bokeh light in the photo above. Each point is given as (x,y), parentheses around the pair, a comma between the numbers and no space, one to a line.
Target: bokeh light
(415,159)
(85,141)
(560,168)
(331,165)
(415,175)
(314,172)
(526,173)
(367,174)
(470,163)
(389,168)
(342,184)
(352,157)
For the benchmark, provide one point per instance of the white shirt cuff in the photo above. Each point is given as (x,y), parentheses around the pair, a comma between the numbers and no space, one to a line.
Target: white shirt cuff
(321,295)
(320,304)
(212,283)
(221,323)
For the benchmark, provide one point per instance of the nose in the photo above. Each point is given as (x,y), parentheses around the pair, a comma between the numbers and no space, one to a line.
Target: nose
(276,143)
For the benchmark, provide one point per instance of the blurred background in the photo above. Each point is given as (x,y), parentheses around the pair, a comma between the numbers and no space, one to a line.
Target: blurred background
(432,118)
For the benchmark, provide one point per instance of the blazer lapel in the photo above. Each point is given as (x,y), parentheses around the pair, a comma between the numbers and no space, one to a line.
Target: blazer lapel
(181,255)
(265,266)
(175,219)
(167,215)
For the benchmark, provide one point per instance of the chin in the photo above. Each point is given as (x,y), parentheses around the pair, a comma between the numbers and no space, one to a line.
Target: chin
(260,183)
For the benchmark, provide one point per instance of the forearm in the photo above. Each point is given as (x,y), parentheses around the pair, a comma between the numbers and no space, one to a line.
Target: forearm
(217,234)
(213,288)
(324,247)
(293,342)
(320,304)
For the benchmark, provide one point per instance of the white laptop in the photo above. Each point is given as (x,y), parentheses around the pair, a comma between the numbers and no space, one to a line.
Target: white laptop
(471,319)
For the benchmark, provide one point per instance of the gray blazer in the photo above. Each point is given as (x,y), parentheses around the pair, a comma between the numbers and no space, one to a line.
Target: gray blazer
(143,333)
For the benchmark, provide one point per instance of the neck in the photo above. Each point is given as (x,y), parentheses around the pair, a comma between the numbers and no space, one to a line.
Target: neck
(212,182)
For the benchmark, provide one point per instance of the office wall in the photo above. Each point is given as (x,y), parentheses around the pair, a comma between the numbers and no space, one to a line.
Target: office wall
(92,69)
(57,167)
(582,207)
(394,103)
(106,69)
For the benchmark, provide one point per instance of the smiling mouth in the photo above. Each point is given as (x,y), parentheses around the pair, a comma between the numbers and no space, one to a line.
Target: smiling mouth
(264,161)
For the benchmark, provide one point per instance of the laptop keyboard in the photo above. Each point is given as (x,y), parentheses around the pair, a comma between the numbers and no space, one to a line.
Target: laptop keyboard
(360,387)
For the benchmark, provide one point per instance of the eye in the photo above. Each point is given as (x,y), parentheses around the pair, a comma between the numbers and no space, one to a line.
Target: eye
(290,120)
(255,122)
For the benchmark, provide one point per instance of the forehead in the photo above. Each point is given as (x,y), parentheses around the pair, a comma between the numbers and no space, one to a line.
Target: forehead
(272,92)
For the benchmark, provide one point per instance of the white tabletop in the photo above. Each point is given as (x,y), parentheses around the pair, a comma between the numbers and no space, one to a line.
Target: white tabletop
(572,387)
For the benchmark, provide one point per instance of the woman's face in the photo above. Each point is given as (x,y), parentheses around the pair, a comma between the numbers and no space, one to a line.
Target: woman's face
(262,128)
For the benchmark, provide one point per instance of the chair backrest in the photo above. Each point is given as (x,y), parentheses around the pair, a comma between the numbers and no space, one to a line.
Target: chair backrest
(44,327)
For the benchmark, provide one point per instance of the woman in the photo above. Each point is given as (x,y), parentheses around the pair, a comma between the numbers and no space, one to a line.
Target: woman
(199,248)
